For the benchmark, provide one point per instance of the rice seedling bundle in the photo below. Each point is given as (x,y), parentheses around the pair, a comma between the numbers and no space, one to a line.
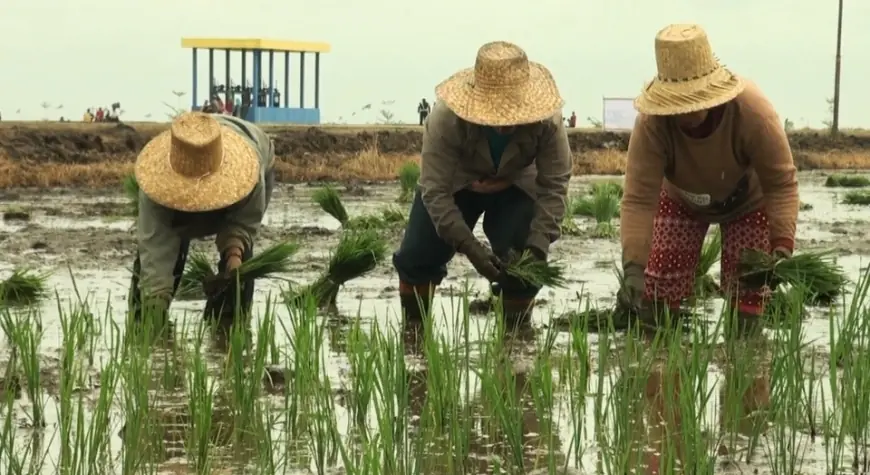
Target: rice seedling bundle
(816,272)
(23,287)
(274,260)
(857,198)
(357,253)
(329,201)
(409,176)
(197,270)
(131,191)
(535,272)
(704,282)
(611,188)
(847,181)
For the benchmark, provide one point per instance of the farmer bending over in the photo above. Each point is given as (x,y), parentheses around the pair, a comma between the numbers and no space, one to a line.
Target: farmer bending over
(494,145)
(707,147)
(207,175)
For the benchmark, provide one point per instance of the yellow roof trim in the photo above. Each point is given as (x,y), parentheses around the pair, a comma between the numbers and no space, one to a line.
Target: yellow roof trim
(256,44)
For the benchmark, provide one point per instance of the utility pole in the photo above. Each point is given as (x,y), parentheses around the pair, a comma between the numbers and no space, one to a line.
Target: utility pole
(835,121)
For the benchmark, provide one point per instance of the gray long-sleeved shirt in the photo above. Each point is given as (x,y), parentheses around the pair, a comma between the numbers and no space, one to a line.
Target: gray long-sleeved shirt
(161,230)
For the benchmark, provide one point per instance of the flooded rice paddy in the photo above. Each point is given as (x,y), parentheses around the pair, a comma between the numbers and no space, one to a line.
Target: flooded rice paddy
(299,391)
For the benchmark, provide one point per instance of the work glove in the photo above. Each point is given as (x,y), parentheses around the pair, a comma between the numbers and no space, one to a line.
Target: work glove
(758,280)
(629,297)
(482,258)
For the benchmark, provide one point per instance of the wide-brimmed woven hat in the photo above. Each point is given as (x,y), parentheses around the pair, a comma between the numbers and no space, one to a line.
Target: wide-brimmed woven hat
(503,88)
(690,77)
(197,165)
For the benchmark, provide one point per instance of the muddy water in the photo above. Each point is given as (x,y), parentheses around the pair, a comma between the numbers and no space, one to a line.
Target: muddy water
(93,237)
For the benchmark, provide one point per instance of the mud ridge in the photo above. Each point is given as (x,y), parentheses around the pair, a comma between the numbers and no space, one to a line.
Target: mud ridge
(37,143)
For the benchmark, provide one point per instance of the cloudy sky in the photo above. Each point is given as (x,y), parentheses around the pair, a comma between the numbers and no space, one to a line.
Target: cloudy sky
(89,53)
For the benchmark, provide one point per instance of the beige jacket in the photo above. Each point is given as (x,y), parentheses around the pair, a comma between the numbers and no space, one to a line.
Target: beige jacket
(456,154)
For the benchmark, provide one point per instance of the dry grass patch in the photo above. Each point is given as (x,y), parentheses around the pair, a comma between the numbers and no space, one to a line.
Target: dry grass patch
(834,160)
(14,174)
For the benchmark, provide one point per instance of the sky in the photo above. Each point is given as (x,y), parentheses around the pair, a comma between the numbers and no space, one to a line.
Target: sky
(391,53)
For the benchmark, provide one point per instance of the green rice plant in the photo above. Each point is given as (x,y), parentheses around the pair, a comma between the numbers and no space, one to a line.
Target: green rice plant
(131,191)
(861,198)
(705,285)
(805,207)
(264,265)
(197,270)
(569,226)
(538,273)
(605,207)
(607,187)
(357,253)
(847,181)
(816,272)
(23,287)
(409,175)
(329,201)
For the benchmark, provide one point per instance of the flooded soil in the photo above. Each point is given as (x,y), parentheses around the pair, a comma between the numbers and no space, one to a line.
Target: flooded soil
(88,242)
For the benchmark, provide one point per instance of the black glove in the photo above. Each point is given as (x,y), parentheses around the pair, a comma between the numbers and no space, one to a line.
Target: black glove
(630,294)
(757,280)
(483,260)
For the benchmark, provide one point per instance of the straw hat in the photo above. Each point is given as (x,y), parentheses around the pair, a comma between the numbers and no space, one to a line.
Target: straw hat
(690,77)
(197,165)
(504,88)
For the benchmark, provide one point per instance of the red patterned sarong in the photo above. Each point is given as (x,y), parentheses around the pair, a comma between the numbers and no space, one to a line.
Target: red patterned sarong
(677,240)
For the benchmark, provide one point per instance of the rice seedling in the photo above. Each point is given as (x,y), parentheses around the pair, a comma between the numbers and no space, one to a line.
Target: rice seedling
(197,270)
(861,198)
(329,201)
(409,175)
(805,206)
(817,273)
(847,181)
(605,207)
(705,285)
(357,253)
(131,191)
(23,287)
(268,264)
(539,273)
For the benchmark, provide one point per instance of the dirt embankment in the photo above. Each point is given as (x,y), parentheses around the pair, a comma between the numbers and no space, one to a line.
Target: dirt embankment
(96,155)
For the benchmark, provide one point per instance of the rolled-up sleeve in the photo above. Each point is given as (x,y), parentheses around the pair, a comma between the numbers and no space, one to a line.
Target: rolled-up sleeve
(441,152)
(159,248)
(554,163)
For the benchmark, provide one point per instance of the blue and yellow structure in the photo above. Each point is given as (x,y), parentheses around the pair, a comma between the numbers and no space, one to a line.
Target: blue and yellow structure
(261,104)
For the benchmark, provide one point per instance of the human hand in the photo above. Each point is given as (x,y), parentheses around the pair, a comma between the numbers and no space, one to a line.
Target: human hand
(630,294)
(482,258)
(489,185)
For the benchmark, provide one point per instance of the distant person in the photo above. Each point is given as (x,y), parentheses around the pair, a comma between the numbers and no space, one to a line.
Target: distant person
(469,169)
(101,114)
(707,147)
(206,175)
(572,121)
(423,110)
(88,116)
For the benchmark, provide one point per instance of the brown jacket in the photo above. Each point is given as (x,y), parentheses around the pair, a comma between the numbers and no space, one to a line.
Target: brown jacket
(456,154)
(749,143)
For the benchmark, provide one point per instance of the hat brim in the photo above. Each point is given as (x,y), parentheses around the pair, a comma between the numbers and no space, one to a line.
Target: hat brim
(674,98)
(237,176)
(537,100)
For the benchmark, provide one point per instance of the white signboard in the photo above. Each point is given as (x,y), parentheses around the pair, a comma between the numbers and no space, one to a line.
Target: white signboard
(618,113)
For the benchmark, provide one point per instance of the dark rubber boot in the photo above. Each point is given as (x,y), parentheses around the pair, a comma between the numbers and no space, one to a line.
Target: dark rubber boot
(517,313)
(416,301)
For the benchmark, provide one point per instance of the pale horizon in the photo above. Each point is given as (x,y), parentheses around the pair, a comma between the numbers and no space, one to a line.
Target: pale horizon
(390,54)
